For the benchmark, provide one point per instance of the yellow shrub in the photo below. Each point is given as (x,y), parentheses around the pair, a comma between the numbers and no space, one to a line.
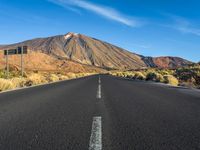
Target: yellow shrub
(78,75)
(53,78)
(35,79)
(171,80)
(154,76)
(83,74)
(71,75)
(18,82)
(5,84)
(139,75)
(128,74)
(63,77)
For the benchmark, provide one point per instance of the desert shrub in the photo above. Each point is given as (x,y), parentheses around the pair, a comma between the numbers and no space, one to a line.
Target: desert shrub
(151,76)
(52,78)
(129,74)
(18,82)
(189,75)
(2,74)
(35,78)
(112,73)
(126,74)
(165,72)
(159,78)
(78,75)
(139,75)
(154,77)
(6,84)
(198,80)
(120,74)
(63,77)
(184,74)
(71,75)
(169,79)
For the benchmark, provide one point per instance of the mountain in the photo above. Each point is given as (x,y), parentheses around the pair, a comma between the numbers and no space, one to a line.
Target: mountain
(38,61)
(93,52)
(166,62)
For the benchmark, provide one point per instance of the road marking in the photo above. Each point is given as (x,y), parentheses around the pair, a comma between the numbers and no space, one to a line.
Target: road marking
(99,89)
(99,80)
(99,92)
(96,134)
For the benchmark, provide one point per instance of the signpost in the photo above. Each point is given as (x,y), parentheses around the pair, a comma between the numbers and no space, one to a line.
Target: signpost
(17,51)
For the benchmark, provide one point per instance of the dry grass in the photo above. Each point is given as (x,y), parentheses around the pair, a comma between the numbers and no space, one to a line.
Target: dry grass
(151,75)
(36,78)
(140,76)
(52,78)
(71,75)
(18,82)
(6,84)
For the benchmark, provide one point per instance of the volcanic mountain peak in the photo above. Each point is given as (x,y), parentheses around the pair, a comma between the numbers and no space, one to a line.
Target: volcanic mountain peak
(71,34)
(91,51)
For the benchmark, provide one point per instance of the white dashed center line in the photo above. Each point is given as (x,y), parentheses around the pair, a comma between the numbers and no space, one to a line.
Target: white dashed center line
(99,80)
(96,134)
(99,89)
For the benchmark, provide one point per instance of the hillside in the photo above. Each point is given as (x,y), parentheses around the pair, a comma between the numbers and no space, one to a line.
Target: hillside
(36,60)
(166,62)
(90,51)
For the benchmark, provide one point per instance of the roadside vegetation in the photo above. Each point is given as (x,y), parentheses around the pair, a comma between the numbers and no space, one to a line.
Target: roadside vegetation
(186,76)
(34,78)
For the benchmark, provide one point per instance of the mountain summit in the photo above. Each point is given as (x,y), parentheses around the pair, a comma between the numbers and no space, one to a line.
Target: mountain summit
(90,51)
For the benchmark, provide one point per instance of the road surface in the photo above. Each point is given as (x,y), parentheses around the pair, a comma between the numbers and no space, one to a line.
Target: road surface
(100,113)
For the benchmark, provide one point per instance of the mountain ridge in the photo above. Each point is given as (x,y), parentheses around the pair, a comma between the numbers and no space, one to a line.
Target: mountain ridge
(91,51)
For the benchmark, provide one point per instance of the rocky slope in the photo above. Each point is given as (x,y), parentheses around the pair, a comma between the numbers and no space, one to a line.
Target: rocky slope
(90,51)
(166,62)
(34,61)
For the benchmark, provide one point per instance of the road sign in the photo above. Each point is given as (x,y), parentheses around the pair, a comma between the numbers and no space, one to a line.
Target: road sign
(19,50)
(25,50)
(10,52)
(16,51)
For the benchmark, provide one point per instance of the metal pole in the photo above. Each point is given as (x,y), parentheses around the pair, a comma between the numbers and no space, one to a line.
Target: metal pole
(7,66)
(22,70)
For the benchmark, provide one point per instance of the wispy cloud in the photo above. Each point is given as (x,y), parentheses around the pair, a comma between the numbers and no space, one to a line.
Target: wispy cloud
(184,26)
(65,5)
(107,12)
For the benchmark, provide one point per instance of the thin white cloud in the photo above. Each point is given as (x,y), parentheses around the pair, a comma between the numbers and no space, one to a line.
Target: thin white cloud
(184,26)
(63,4)
(106,12)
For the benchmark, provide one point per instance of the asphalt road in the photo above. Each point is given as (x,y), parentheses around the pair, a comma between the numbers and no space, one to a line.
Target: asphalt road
(100,114)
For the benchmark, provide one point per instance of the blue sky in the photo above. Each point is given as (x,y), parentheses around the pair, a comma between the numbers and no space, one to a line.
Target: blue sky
(147,27)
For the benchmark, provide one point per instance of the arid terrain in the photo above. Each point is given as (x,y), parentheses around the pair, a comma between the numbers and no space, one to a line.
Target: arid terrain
(75,55)
(77,52)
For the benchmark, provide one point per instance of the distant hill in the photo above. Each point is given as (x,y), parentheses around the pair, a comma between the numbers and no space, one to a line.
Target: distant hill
(93,52)
(166,62)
